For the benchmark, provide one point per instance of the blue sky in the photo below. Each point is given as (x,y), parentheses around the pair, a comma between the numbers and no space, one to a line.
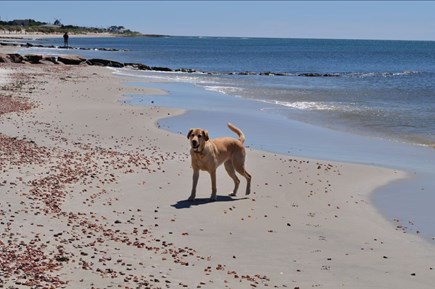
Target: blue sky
(407,20)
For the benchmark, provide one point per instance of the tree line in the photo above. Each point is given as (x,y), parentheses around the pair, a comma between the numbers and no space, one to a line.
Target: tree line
(31,25)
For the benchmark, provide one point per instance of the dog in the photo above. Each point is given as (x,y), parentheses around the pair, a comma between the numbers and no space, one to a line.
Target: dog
(208,154)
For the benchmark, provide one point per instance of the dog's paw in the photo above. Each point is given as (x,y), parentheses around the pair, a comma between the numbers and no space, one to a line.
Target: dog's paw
(213,198)
(191,198)
(232,194)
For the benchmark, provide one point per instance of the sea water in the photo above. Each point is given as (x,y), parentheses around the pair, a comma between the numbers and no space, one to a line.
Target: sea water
(361,101)
(382,88)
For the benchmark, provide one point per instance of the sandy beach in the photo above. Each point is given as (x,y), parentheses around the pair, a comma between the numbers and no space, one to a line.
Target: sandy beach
(94,196)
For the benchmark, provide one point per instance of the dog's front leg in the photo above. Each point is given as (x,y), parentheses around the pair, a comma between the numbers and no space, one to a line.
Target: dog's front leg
(194,183)
(213,186)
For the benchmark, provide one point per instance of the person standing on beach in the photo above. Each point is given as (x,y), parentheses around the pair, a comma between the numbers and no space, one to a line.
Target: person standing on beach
(65,39)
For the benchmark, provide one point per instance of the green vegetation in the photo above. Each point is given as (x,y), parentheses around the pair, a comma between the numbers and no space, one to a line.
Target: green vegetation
(33,26)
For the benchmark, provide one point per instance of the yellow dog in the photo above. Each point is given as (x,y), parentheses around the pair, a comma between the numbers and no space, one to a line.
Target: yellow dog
(208,154)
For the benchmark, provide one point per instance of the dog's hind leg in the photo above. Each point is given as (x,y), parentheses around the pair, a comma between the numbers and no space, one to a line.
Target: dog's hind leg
(232,173)
(240,168)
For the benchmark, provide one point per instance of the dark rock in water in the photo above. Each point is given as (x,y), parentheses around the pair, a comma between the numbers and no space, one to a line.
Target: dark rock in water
(71,59)
(138,66)
(246,73)
(157,68)
(311,74)
(104,62)
(267,73)
(33,45)
(188,70)
(108,49)
(32,58)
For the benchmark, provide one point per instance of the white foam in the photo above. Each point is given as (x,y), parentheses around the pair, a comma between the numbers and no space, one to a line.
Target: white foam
(307,105)
(382,74)
(173,76)
(223,89)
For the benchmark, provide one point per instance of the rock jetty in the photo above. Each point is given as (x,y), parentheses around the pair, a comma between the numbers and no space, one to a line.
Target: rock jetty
(78,60)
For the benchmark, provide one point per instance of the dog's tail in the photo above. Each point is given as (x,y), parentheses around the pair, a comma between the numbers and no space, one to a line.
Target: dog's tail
(238,132)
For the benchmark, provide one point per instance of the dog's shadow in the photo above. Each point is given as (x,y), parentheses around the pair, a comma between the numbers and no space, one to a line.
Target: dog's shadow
(185,204)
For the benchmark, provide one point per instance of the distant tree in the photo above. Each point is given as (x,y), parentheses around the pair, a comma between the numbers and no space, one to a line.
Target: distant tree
(57,22)
(116,29)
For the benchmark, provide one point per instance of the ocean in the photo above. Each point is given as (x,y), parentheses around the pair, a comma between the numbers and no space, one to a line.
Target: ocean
(380,88)
(361,101)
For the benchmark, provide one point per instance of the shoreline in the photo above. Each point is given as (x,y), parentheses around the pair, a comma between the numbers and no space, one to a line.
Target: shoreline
(212,109)
(300,111)
(308,222)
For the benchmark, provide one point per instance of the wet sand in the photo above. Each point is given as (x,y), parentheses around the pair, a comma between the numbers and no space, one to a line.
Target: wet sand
(94,195)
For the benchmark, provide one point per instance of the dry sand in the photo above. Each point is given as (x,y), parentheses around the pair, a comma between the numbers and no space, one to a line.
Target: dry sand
(93,196)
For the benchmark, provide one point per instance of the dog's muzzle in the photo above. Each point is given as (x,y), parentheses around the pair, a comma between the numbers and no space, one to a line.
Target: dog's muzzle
(195,146)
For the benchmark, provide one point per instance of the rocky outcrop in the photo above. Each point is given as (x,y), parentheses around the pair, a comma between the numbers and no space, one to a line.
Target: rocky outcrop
(319,74)
(78,60)
(187,70)
(71,59)
(158,68)
(33,58)
(138,66)
(11,58)
(104,62)
(16,58)
(4,58)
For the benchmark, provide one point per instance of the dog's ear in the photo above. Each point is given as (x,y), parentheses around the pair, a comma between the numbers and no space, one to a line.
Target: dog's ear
(190,132)
(205,134)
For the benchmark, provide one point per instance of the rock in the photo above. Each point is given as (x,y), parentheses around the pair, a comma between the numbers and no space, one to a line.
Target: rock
(246,73)
(157,68)
(267,73)
(187,70)
(319,74)
(107,49)
(104,62)
(4,58)
(310,74)
(33,58)
(49,58)
(16,58)
(71,59)
(138,66)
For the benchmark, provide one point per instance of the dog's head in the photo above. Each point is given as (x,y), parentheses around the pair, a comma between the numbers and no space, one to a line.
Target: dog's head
(197,137)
